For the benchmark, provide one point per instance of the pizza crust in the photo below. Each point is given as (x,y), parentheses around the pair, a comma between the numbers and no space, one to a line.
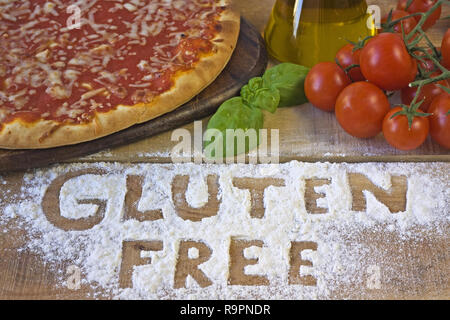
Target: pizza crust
(49,134)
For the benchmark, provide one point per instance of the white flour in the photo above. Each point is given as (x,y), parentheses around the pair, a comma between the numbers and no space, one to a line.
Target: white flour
(336,263)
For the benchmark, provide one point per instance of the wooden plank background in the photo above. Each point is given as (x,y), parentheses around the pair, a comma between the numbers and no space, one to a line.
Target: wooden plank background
(412,269)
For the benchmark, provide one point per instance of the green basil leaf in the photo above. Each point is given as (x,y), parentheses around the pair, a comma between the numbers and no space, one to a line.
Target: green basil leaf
(257,96)
(289,79)
(248,91)
(267,99)
(238,125)
(247,94)
(255,83)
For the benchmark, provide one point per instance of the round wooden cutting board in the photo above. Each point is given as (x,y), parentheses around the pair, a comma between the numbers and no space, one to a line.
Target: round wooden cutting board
(249,60)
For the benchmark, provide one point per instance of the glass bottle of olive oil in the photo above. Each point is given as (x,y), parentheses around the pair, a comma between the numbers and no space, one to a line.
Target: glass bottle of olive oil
(310,31)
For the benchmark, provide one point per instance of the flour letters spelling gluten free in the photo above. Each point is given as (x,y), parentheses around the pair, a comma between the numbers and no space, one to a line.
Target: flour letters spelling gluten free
(194,252)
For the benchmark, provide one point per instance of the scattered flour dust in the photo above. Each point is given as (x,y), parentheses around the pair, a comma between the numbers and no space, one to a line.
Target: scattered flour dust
(98,251)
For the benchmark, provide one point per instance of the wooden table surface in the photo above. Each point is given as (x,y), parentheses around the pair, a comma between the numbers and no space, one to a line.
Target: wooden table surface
(306,134)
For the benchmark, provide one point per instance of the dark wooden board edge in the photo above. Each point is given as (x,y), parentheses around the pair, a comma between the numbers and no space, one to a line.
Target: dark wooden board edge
(249,60)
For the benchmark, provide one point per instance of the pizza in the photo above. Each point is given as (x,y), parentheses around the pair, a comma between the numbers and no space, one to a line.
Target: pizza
(74,71)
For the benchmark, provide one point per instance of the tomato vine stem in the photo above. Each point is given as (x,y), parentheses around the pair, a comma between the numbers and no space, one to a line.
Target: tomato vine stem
(425,16)
(412,41)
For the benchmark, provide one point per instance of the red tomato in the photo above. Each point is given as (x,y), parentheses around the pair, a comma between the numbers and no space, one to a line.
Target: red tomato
(445,49)
(397,132)
(347,57)
(427,65)
(440,120)
(360,109)
(323,84)
(386,62)
(422,6)
(408,24)
(427,94)
(408,95)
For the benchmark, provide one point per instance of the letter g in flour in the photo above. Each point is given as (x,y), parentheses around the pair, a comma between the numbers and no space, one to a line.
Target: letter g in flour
(52,210)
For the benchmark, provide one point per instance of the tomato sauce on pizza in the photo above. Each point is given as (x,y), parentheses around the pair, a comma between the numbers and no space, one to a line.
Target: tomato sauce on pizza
(54,66)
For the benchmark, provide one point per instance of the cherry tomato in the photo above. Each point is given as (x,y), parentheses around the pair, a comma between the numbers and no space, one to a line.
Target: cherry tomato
(385,61)
(422,6)
(427,94)
(360,109)
(440,120)
(445,49)
(323,84)
(408,24)
(398,134)
(347,57)
(426,64)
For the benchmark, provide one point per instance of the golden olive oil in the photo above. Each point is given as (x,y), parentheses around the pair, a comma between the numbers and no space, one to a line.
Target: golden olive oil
(324,26)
